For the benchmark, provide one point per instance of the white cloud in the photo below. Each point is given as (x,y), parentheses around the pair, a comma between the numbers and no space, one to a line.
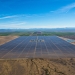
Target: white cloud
(65,8)
(20,16)
(13,25)
(8,17)
(16,16)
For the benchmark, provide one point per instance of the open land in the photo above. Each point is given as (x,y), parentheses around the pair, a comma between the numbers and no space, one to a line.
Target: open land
(4,39)
(39,66)
(48,57)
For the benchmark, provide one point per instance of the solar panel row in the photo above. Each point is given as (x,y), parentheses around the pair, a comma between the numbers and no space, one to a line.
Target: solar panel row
(52,46)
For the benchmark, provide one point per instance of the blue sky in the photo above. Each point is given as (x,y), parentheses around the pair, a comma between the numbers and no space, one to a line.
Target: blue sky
(26,14)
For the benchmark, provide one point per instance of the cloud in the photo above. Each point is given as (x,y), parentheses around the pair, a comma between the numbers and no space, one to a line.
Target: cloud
(13,25)
(65,8)
(17,16)
(20,16)
(9,17)
(17,23)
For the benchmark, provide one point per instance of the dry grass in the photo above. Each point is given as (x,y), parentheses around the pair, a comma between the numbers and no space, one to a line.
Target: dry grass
(39,66)
(4,39)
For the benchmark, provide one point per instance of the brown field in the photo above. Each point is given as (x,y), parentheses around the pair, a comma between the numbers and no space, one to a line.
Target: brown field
(4,39)
(70,37)
(64,66)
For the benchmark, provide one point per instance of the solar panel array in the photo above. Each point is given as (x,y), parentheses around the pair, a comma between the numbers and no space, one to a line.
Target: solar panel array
(22,47)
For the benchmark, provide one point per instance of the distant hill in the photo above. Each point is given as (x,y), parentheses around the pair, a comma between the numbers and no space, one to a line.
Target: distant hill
(40,29)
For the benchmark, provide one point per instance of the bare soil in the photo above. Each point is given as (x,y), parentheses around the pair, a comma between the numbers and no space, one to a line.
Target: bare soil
(39,66)
(4,39)
(70,37)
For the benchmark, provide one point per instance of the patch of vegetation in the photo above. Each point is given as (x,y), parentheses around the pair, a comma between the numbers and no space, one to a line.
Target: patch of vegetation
(5,33)
(15,33)
(58,33)
(31,33)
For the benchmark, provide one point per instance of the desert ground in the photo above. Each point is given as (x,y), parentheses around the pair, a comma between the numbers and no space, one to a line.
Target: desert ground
(39,66)
(4,39)
(69,37)
(35,66)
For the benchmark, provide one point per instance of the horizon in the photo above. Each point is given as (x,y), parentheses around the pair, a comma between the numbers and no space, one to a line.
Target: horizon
(39,28)
(29,14)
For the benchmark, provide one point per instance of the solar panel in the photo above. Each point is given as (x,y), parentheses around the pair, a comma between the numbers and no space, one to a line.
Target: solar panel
(37,47)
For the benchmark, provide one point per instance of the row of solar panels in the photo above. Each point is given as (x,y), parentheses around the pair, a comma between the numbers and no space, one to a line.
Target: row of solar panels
(39,40)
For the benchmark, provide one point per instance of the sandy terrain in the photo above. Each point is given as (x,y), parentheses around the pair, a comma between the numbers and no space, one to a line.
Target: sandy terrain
(70,37)
(64,66)
(66,38)
(4,39)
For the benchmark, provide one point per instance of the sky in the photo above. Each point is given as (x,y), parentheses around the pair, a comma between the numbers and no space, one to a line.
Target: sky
(25,14)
